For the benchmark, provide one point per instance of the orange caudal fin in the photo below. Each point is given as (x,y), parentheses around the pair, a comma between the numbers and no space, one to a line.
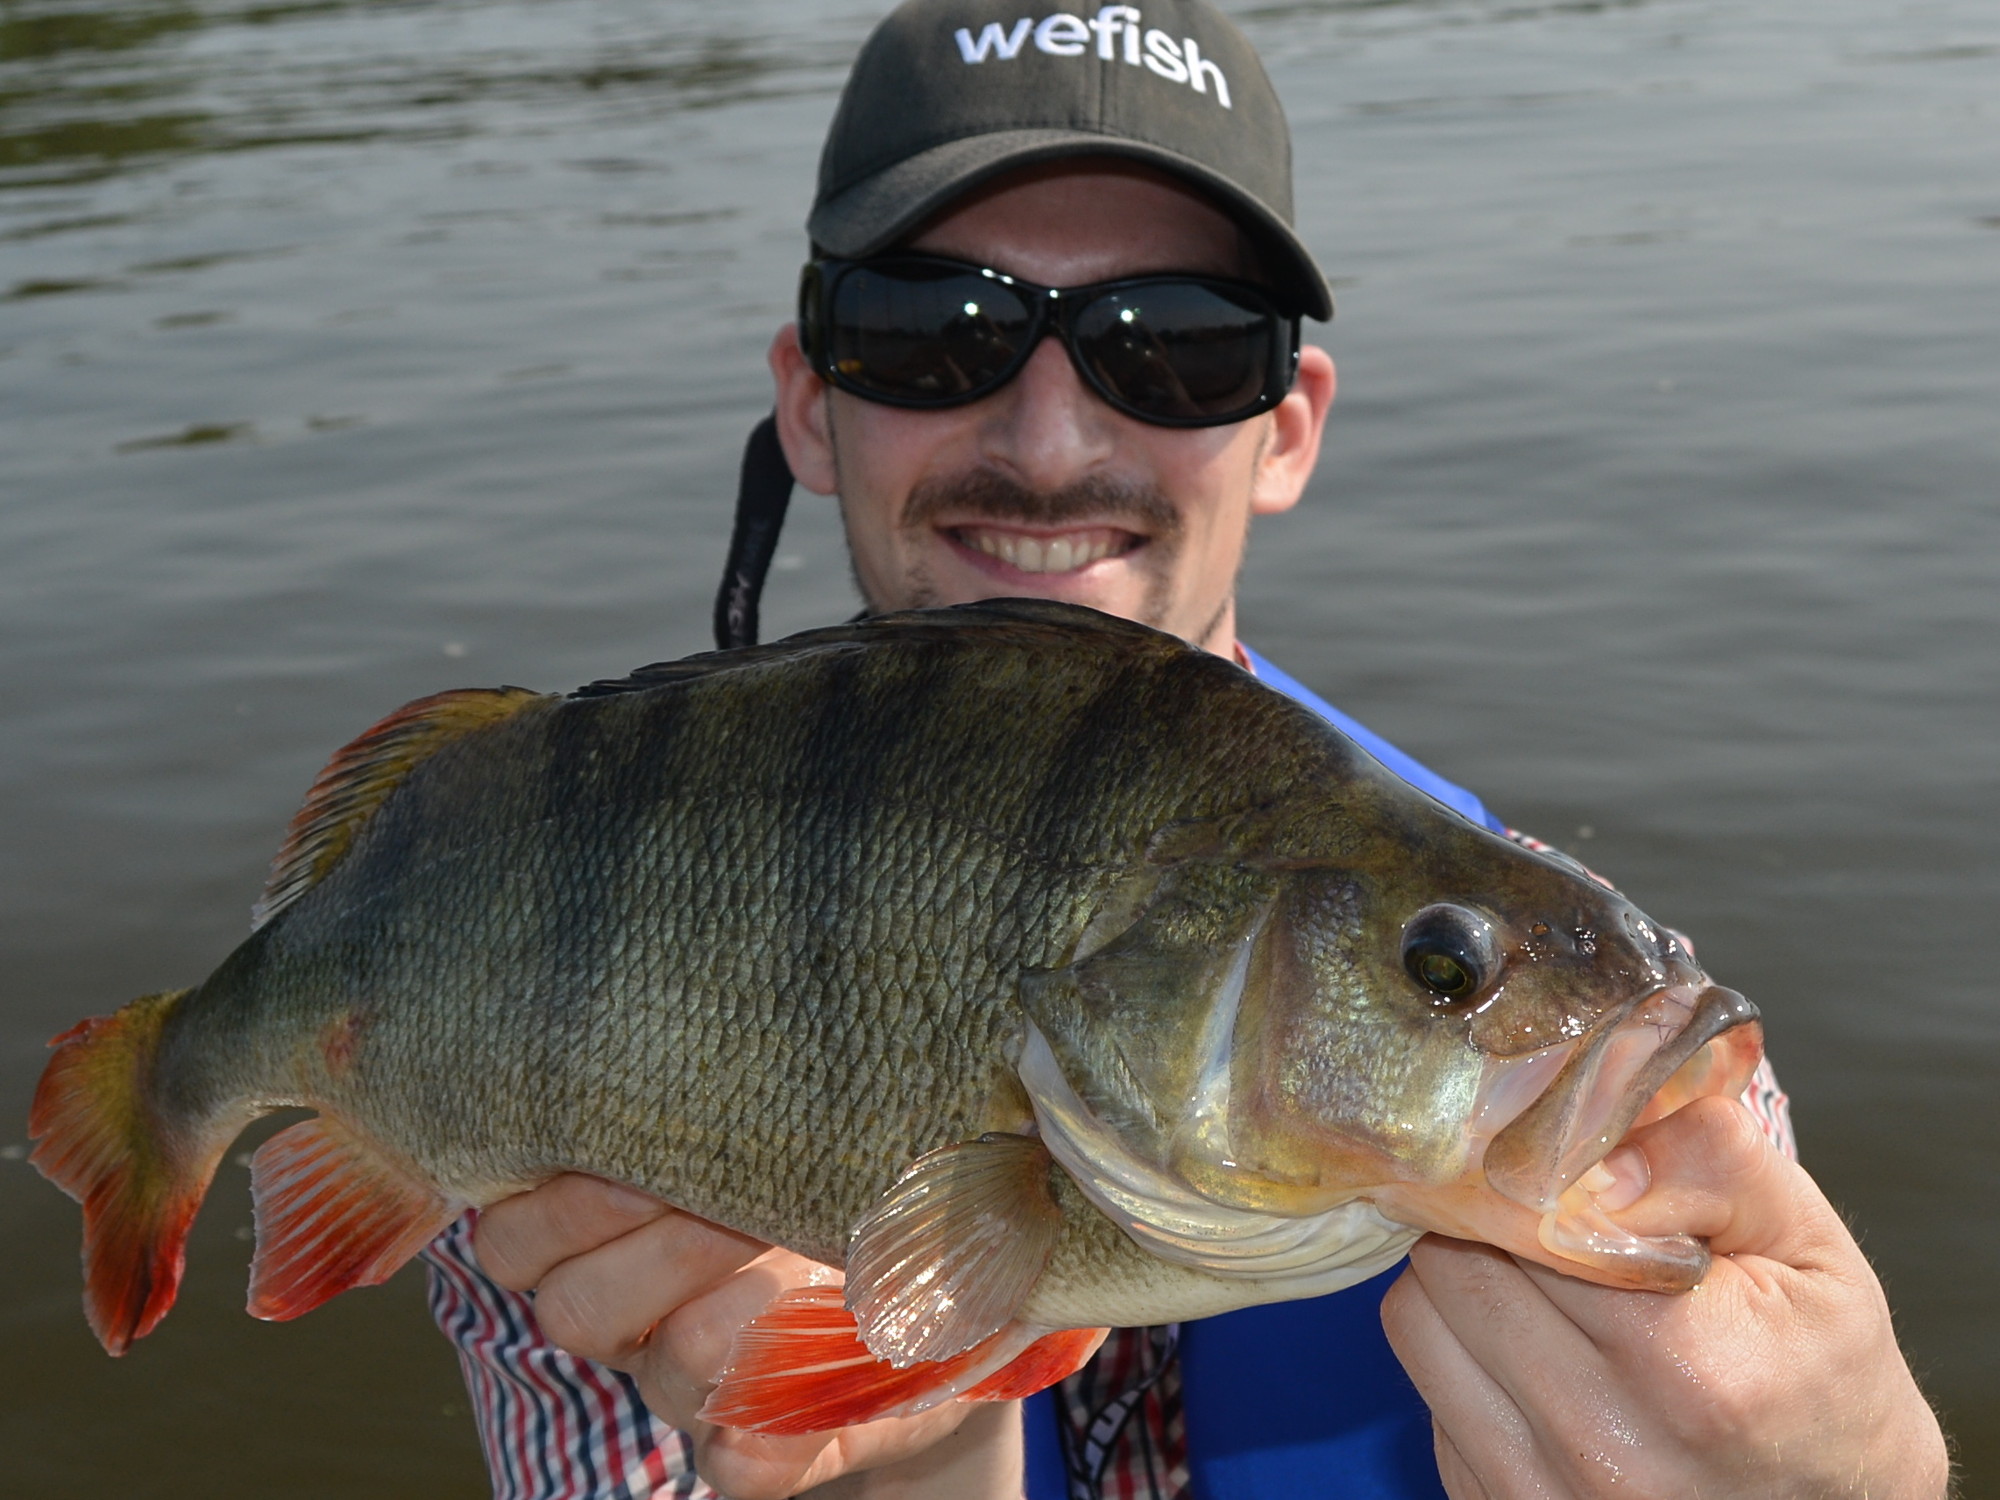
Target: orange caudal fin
(334,1210)
(800,1366)
(139,1178)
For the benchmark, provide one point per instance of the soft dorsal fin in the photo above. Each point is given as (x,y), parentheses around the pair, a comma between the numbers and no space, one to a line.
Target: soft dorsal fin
(360,778)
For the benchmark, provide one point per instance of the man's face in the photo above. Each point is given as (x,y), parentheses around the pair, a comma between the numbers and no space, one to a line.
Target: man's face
(1041,489)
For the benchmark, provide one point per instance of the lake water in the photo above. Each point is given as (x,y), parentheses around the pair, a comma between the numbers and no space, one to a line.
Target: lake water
(353,350)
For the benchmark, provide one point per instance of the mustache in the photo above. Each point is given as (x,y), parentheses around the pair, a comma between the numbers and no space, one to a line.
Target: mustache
(993,496)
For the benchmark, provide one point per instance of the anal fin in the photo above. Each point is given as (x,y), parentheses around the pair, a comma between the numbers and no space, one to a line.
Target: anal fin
(334,1210)
(800,1366)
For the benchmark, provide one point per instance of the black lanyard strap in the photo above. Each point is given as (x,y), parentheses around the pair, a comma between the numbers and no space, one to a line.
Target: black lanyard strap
(762,495)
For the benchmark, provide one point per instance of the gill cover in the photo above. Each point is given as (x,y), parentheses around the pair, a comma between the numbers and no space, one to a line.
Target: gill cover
(1129,1063)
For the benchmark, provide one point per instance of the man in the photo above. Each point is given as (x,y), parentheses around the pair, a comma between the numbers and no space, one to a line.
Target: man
(1110,446)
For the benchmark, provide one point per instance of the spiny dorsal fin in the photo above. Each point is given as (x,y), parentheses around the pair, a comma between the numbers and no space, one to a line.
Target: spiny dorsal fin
(1042,621)
(360,778)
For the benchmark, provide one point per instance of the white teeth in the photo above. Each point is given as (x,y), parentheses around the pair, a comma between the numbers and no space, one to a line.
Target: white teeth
(1060,554)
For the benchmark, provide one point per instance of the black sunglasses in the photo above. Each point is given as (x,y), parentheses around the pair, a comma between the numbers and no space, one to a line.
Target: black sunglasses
(924,331)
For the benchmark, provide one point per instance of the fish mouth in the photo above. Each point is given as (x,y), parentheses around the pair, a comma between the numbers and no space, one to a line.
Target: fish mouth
(1601,1086)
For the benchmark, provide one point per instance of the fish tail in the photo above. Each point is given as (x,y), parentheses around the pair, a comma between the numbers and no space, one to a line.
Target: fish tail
(800,1366)
(139,1178)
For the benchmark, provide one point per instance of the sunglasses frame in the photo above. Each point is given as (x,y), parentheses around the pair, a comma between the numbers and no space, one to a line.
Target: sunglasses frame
(1050,310)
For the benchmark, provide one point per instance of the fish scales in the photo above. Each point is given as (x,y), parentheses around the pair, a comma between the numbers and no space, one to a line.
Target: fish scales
(727,901)
(1047,972)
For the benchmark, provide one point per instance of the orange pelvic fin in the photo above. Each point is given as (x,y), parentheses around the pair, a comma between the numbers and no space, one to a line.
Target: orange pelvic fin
(333,1210)
(139,1182)
(360,777)
(1050,1358)
(800,1366)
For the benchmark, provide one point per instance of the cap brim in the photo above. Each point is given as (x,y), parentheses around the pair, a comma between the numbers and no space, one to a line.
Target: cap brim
(881,209)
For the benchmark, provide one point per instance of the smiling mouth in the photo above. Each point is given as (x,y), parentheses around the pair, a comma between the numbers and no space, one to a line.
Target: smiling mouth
(1048,552)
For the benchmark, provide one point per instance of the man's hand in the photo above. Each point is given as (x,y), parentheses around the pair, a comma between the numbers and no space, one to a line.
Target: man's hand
(1778,1376)
(622,1279)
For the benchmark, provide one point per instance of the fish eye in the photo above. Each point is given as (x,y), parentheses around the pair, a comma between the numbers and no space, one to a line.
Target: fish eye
(1449,950)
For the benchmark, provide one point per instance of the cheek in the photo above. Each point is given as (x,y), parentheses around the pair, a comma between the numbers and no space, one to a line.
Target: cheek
(883,452)
(1207,473)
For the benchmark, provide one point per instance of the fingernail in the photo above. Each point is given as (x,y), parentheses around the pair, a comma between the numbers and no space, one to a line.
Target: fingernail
(1620,1180)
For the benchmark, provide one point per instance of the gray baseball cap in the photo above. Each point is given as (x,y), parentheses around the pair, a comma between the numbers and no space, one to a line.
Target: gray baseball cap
(949,93)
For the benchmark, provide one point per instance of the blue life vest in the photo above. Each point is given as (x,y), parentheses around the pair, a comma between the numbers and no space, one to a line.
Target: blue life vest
(1294,1400)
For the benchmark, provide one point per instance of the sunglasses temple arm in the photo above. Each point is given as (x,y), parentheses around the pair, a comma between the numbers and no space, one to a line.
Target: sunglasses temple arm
(763,493)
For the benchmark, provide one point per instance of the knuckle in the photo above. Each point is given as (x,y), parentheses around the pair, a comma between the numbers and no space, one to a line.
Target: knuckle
(1733,1410)
(697,1338)
(743,1466)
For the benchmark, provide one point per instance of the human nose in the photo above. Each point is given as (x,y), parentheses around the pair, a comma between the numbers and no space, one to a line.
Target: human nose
(1045,425)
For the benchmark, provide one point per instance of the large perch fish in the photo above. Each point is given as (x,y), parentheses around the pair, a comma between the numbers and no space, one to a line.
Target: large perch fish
(1044,971)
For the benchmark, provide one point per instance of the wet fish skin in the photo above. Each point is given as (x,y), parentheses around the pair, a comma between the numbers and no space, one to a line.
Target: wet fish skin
(756,932)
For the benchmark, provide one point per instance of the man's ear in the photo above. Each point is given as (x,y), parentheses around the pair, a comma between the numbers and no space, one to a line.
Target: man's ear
(1291,446)
(804,424)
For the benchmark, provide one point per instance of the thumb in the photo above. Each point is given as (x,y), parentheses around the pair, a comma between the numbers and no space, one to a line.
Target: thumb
(1709,1170)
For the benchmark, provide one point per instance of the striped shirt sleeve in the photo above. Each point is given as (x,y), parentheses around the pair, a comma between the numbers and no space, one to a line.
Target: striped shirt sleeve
(552,1426)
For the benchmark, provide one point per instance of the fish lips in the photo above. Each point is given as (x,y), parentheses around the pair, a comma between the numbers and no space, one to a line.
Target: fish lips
(1603,1087)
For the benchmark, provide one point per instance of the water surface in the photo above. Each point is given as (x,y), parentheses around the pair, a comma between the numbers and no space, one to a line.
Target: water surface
(352,349)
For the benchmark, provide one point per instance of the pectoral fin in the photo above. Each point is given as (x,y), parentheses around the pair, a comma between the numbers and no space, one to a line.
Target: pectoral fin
(950,1252)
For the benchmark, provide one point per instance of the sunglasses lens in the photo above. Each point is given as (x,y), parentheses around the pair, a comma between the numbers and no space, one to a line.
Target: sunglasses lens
(1179,350)
(921,332)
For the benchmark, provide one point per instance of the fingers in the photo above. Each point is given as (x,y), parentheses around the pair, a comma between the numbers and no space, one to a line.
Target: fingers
(953,1449)
(1713,1173)
(1460,1483)
(606,1262)
(603,1304)
(683,1359)
(520,1239)
(680,1364)
(629,1282)
(1486,1446)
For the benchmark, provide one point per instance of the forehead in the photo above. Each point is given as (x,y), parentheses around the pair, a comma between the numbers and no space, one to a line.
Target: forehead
(1074,222)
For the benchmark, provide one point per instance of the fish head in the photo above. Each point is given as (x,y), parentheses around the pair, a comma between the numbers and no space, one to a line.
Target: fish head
(1470,1035)
(1442,1023)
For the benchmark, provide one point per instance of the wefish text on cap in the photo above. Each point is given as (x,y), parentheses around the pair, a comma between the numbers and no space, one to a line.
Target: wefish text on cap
(1117,33)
